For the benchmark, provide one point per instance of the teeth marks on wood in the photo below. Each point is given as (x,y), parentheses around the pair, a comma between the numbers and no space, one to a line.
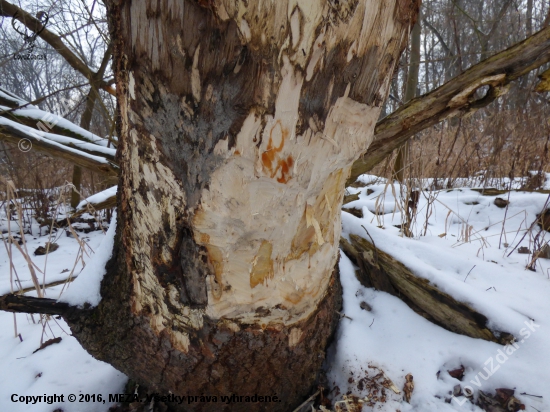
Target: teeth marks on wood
(262,267)
(195,76)
(216,263)
(296,26)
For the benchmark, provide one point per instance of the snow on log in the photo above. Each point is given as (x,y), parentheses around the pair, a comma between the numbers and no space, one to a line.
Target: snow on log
(105,199)
(89,156)
(17,109)
(383,272)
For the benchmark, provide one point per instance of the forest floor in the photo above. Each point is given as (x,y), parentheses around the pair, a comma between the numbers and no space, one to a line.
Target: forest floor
(461,241)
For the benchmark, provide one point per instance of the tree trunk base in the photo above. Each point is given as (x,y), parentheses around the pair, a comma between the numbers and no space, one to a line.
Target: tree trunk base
(224,358)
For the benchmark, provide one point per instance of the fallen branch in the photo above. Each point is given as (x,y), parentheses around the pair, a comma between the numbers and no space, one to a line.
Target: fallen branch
(27,304)
(491,191)
(454,98)
(100,164)
(54,123)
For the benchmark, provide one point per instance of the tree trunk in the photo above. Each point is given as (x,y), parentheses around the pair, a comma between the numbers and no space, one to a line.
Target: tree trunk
(86,121)
(238,126)
(402,158)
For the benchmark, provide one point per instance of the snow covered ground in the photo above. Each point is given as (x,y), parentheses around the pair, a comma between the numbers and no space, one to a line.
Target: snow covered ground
(62,368)
(462,242)
(398,341)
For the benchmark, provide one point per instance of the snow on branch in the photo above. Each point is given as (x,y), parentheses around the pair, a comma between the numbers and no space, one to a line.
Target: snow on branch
(87,155)
(17,109)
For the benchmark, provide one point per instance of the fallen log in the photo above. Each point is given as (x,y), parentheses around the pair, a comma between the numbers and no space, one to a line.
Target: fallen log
(491,191)
(27,304)
(381,271)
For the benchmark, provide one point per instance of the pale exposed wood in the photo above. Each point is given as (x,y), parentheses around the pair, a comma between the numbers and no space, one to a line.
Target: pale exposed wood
(239,122)
(268,223)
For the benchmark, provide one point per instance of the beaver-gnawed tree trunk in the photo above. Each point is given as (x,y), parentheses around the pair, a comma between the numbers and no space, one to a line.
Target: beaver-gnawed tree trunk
(238,124)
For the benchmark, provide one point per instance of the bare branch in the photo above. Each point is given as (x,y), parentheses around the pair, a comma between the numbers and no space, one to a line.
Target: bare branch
(27,304)
(10,10)
(455,98)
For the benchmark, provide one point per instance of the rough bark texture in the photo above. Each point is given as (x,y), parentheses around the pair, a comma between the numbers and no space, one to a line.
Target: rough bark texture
(238,124)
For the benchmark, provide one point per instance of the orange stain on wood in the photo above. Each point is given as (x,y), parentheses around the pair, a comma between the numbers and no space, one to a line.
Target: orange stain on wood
(274,164)
(204,238)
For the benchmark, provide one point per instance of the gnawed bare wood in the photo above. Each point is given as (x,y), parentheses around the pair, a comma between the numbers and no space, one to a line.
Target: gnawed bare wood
(455,98)
(239,122)
(418,293)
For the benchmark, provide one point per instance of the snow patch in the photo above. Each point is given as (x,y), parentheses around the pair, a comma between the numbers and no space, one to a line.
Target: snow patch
(86,288)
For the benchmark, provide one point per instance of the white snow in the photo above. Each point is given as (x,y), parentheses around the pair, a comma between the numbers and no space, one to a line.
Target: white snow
(63,368)
(6,95)
(391,337)
(98,197)
(85,289)
(57,141)
(398,341)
